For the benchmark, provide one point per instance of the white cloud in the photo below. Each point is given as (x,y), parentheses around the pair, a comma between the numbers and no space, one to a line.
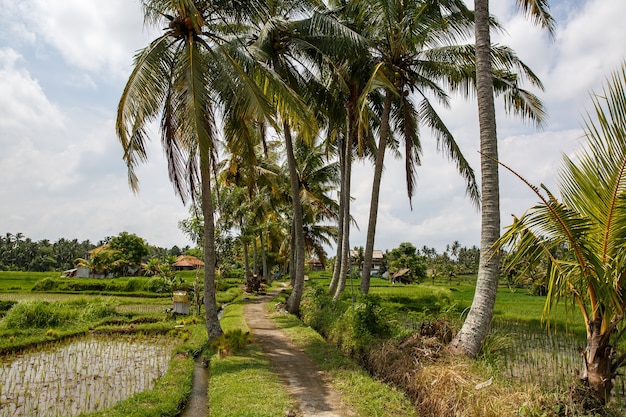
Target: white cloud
(25,105)
(99,38)
(61,173)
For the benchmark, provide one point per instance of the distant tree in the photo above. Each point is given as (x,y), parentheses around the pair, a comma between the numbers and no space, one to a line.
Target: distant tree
(468,259)
(103,261)
(406,256)
(132,250)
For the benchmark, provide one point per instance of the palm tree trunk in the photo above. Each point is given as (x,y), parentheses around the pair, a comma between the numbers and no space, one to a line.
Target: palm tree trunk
(293,303)
(255,257)
(266,276)
(598,371)
(214,330)
(345,244)
(476,325)
(378,174)
(338,258)
(292,256)
(246,260)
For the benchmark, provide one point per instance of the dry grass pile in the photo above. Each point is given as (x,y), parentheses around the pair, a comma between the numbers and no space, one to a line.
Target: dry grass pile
(442,385)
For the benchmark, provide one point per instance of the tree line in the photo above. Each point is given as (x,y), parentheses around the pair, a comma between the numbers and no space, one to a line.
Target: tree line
(21,253)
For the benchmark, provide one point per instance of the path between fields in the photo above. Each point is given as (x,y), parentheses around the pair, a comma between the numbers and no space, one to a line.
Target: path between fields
(308,385)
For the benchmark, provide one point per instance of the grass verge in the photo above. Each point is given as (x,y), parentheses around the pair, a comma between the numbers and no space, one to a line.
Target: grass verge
(366,396)
(244,384)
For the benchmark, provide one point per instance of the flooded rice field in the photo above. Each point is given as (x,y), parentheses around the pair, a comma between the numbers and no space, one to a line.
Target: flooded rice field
(83,375)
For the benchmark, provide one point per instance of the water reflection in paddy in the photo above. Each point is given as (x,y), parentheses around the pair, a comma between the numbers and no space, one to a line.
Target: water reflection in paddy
(83,376)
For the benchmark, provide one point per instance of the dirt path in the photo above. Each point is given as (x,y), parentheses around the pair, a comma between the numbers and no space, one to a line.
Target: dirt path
(305,381)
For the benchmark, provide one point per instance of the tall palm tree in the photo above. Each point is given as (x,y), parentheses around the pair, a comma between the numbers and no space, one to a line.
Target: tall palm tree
(181,76)
(405,30)
(474,330)
(294,48)
(584,236)
(356,79)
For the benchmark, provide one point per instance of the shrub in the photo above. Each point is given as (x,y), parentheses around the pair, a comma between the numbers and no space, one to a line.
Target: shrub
(231,342)
(6,306)
(134,284)
(46,284)
(369,318)
(98,311)
(38,314)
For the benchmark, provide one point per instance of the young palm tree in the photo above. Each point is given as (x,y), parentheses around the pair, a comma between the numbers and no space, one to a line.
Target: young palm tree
(590,223)
(474,330)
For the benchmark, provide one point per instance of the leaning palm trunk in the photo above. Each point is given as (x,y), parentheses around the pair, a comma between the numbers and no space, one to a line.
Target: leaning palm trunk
(293,303)
(474,330)
(373,217)
(214,330)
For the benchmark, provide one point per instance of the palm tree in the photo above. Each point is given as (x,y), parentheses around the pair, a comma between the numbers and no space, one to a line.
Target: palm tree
(590,224)
(356,78)
(474,330)
(406,29)
(318,178)
(297,51)
(181,76)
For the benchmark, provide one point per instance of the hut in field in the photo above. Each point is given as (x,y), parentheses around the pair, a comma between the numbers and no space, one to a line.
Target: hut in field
(187,263)
(402,276)
(315,265)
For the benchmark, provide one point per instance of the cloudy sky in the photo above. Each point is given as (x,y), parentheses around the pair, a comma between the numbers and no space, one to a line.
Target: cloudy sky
(63,65)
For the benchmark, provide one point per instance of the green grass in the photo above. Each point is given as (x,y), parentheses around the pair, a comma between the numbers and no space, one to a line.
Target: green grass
(244,384)
(366,396)
(511,306)
(15,281)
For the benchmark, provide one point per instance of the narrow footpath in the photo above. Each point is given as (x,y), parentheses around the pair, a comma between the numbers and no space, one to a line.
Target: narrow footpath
(311,389)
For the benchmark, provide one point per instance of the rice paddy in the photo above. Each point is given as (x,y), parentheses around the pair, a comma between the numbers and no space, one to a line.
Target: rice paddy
(81,376)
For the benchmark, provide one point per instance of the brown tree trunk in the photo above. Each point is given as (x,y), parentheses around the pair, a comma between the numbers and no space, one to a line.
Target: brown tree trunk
(598,371)
(214,330)
(373,217)
(293,303)
(476,326)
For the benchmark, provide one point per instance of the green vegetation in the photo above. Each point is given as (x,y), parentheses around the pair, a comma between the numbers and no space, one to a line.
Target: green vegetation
(168,397)
(135,285)
(18,281)
(369,397)
(244,383)
(520,354)
(32,323)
